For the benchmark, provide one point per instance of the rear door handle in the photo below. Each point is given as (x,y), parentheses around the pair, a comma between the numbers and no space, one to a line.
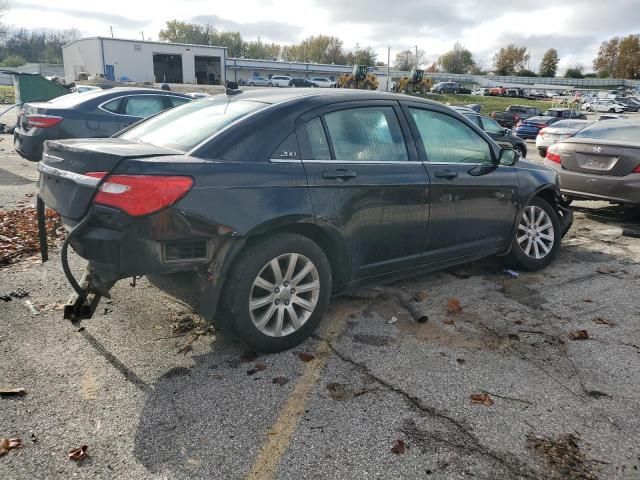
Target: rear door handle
(448,174)
(343,174)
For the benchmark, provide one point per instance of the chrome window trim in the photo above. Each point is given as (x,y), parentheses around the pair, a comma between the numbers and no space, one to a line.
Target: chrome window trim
(100,107)
(353,162)
(74,177)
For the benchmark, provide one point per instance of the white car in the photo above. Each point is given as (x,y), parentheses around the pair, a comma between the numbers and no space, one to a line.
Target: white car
(259,82)
(280,80)
(604,106)
(323,82)
(556,132)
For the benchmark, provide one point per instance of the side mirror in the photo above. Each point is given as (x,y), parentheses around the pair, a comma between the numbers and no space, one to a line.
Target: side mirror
(509,157)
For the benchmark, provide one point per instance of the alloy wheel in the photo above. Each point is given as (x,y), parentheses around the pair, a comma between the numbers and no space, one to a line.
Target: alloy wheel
(535,235)
(284,295)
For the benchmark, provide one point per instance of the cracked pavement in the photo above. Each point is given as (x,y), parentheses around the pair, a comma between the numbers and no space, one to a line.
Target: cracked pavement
(156,394)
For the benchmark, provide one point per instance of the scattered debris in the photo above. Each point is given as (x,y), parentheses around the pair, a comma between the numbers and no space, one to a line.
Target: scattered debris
(564,456)
(453,305)
(340,391)
(422,319)
(34,439)
(12,392)
(6,297)
(579,335)
(448,321)
(280,380)
(596,394)
(399,447)
(606,270)
(482,398)
(511,273)
(248,356)
(19,293)
(306,357)
(392,321)
(19,233)
(258,367)
(78,454)
(604,321)
(587,300)
(7,444)
(51,306)
(461,361)
(31,307)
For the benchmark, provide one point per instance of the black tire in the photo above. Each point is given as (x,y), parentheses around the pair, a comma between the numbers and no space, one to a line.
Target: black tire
(240,284)
(251,84)
(517,258)
(542,152)
(521,151)
(612,110)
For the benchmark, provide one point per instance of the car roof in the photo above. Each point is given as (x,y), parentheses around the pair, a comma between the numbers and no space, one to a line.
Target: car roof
(76,99)
(559,109)
(540,118)
(274,96)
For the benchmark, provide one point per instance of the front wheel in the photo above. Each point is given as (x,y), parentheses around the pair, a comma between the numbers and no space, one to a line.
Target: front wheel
(278,292)
(521,151)
(537,236)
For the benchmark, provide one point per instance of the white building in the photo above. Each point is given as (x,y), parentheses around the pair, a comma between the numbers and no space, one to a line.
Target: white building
(138,61)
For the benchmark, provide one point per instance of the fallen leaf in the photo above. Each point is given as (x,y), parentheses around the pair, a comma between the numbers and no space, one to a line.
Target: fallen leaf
(399,447)
(19,233)
(280,380)
(606,270)
(259,367)
(248,356)
(448,321)
(579,335)
(453,305)
(7,444)
(587,300)
(482,398)
(78,454)
(12,392)
(306,357)
(514,337)
(603,321)
(461,361)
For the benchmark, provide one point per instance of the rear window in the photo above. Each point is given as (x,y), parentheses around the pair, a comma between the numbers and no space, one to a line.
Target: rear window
(184,127)
(570,124)
(517,109)
(612,130)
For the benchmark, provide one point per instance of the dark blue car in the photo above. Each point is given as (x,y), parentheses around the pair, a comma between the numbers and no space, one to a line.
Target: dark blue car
(97,113)
(529,128)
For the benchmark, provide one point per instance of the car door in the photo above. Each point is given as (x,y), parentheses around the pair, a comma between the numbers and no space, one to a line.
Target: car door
(367,183)
(137,107)
(473,199)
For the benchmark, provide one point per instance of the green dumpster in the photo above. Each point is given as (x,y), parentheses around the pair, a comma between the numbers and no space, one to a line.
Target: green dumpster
(33,87)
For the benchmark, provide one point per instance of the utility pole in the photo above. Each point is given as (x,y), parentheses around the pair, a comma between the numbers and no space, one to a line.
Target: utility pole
(416,56)
(111,30)
(357,50)
(388,67)
(142,34)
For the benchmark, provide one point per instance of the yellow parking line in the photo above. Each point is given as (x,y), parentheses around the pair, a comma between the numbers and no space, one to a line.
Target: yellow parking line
(266,463)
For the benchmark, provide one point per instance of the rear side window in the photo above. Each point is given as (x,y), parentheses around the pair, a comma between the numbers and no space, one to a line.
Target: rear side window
(318,140)
(446,139)
(366,134)
(144,105)
(113,106)
(177,101)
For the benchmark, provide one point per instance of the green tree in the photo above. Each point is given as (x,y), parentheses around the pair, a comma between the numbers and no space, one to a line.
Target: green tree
(407,59)
(510,59)
(13,61)
(575,72)
(629,57)
(232,40)
(364,56)
(525,73)
(549,63)
(183,32)
(458,60)
(262,51)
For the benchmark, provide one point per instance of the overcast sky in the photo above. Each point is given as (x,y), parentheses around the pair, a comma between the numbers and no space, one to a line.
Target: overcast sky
(574,27)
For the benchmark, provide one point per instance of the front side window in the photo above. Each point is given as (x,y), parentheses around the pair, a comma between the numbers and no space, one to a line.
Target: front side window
(144,106)
(366,134)
(447,139)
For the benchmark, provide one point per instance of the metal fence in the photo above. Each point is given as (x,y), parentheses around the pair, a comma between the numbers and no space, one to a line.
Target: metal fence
(46,69)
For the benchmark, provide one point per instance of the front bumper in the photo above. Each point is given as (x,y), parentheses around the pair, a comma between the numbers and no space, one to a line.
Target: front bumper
(598,187)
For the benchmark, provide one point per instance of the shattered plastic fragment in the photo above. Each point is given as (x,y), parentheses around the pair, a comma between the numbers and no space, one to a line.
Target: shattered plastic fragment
(78,454)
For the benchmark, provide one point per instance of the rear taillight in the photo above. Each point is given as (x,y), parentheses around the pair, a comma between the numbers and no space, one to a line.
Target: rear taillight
(637,169)
(43,121)
(540,125)
(553,155)
(140,195)
(542,132)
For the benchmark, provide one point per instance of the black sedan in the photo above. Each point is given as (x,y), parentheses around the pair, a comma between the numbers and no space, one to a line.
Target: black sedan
(301,82)
(96,113)
(279,199)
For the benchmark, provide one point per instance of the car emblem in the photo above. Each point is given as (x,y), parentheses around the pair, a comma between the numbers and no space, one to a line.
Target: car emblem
(597,149)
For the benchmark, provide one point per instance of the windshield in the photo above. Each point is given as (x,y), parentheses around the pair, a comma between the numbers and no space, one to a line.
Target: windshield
(612,130)
(184,127)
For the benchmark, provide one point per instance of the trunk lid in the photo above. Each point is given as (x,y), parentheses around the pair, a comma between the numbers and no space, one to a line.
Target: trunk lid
(601,157)
(64,185)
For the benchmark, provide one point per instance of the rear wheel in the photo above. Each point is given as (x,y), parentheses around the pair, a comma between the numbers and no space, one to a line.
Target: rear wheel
(521,151)
(612,110)
(537,236)
(278,292)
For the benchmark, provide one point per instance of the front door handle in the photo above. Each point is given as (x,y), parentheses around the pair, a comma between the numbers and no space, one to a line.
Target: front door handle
(447,174)
(340,173)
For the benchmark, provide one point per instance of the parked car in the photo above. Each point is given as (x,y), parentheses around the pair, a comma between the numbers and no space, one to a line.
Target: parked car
(446,87)
(502,136)
(301,82)
(280,199)
(280,81)
(98,113)
(259,82)
(323,82)
(604,105)
(529,128)
(600,162)
(464,90)
(565,113)
(631,103)
(480,91)
(506,119)
(524,111)
(556,132)
(497,91)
